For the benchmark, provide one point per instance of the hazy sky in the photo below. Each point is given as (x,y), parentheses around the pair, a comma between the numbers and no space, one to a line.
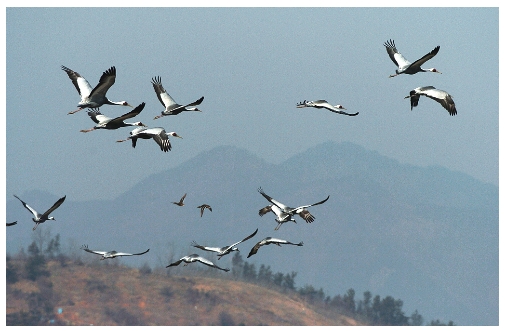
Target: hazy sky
(252,65)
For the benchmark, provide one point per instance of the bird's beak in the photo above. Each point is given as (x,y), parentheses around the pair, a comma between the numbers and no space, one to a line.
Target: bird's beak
(179,137)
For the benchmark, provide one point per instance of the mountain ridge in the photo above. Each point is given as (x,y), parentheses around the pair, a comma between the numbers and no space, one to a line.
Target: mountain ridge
(386,226)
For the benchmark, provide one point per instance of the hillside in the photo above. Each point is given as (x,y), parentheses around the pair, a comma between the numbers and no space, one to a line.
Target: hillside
(107,293)
(427,235)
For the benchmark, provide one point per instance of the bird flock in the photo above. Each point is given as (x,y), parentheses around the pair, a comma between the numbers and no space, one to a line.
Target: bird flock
(94,98)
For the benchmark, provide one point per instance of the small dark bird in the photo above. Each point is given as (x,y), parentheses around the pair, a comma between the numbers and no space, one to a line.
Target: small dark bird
(202,208)
(195,258)
(41,218)
(109,255)
(181,202)
(226,249)
(268,241)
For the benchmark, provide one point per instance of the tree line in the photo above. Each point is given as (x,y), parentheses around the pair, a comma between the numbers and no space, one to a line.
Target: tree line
(371,310)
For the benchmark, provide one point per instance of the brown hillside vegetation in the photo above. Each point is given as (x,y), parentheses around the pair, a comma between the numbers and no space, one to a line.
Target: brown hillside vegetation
(111,294)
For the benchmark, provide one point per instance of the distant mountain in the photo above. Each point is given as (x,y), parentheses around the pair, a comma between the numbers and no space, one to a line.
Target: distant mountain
(425,235)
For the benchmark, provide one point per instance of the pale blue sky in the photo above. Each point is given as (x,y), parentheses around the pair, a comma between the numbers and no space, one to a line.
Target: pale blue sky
(252,65)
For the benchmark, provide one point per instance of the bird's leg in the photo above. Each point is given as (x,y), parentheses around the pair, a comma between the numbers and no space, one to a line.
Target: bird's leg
(88,130)
(390,76)
(120,141)
(36,224)
(75,111)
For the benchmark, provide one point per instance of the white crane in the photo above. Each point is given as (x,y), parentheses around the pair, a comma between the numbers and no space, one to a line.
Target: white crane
(41,218)
(404,66)
(181,202)
(203,207)
(270,240)
(281,217)
(171,107)
(442,97)
(104,122)
(195,258)
(301,211)
(221,251)
(159,135)
(94,97)
(110,254)
(324,104)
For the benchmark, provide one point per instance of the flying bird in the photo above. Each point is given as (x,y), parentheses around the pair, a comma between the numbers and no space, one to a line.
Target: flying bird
(159,135)
(404,66)
(301,211)
(195,258)
(41,218)
(203,207)
(111,254)
(171,107)
(104,122)
(324,104)
(281,217)
(226,249)
(268,241)
(11,224)
(181,202)
(442,97)
(94,97)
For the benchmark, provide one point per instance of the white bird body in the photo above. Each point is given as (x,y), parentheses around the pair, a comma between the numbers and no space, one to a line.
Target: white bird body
(324,104)
(94,97)
(171,107)
(104,122)
(270,240)
(301,211)
(405,66)
(110,254)
(442,97)
(195,258)
(281,217)
(41,218)
(158,134)
(221,251)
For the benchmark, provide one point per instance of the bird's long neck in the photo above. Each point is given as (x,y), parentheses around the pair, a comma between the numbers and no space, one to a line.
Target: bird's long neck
(117,103)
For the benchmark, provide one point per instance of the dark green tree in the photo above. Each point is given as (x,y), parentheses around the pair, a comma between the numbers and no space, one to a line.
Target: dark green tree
(416,319)
(277,279)
(348,301)
(249,271)
(35,264)
(11,275)
(265,275)
(289,281)
(237,263)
